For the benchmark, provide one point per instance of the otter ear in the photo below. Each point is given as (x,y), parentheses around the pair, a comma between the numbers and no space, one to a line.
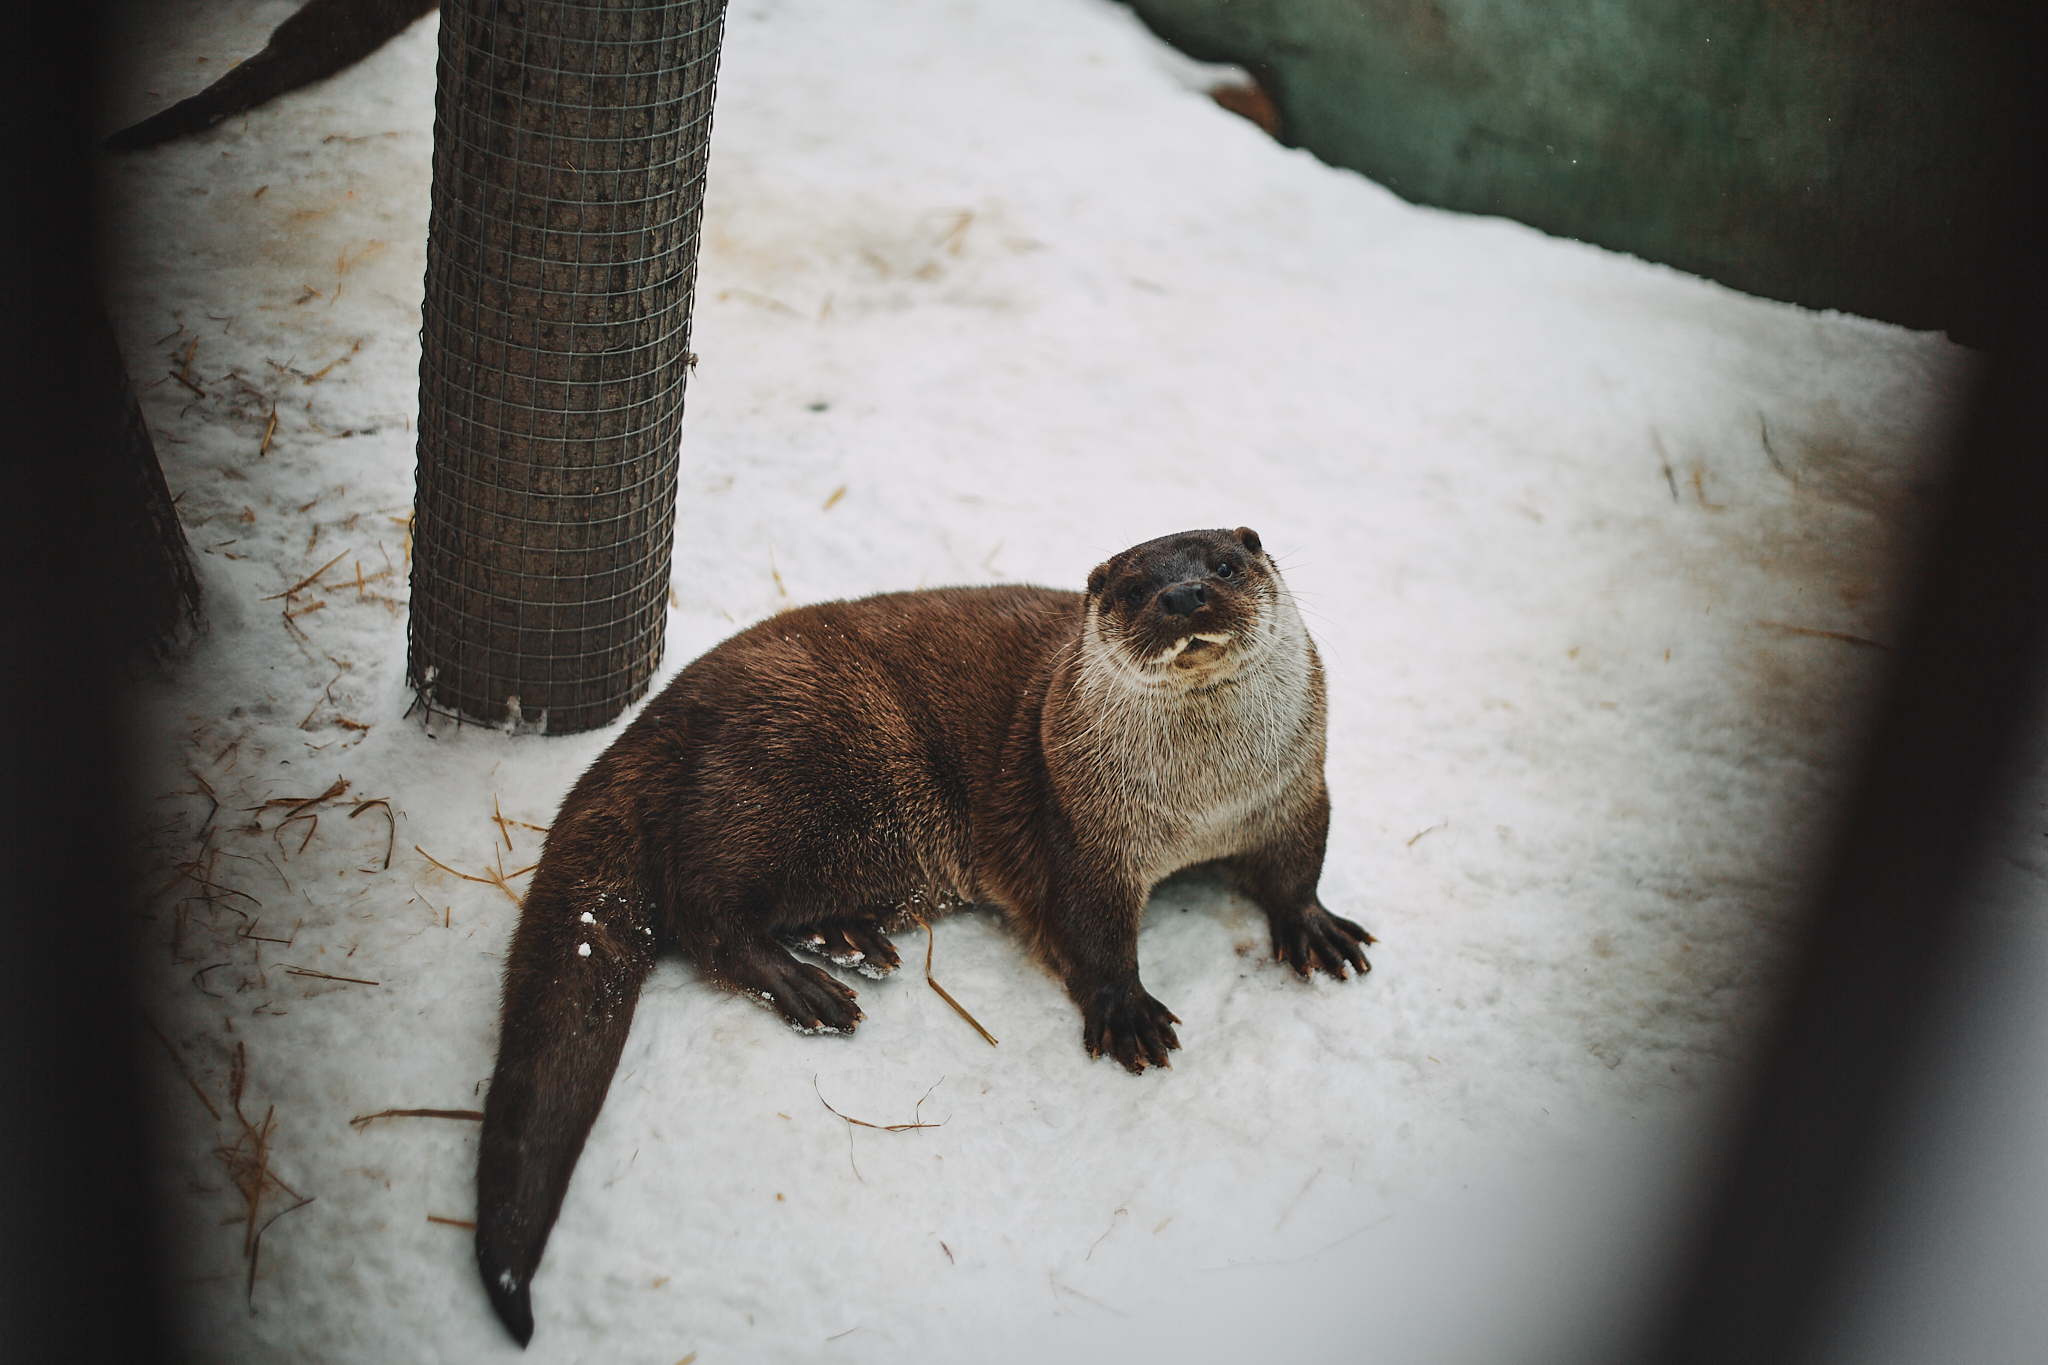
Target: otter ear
(1248,538)
(1097,579)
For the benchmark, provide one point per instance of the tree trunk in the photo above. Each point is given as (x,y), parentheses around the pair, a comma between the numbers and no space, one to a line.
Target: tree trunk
(570,144)
(153,558)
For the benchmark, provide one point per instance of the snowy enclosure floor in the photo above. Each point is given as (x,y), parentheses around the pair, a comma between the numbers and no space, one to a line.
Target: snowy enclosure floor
(1597,555)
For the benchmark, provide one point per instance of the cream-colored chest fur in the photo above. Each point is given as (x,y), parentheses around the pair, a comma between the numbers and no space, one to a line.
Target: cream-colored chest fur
(1193,769)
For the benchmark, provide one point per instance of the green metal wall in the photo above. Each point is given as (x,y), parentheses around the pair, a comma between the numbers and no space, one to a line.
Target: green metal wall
(1852,154)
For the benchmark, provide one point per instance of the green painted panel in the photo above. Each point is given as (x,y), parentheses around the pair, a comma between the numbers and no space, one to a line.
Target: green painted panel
(1851,154)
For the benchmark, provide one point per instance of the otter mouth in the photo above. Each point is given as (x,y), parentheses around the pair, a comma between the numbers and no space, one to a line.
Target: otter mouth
(1200,647)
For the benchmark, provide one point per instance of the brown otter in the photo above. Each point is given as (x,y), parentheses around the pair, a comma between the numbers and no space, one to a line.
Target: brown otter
(814,778)
(318,40)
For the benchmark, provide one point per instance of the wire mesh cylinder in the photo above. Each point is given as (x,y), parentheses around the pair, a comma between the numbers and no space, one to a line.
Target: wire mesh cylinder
(570,144)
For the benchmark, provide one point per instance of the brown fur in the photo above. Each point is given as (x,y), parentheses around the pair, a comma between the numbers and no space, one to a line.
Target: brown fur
(321,38)
(816,778)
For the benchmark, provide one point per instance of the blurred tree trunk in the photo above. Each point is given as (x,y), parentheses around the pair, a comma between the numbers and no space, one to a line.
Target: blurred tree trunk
(160,613)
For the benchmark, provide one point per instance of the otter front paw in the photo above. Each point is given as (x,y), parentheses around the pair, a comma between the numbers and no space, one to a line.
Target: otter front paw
(1128,1024)
(1317,938)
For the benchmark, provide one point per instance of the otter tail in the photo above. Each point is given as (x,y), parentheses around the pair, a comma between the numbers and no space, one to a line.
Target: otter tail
(577,963)
(322,38)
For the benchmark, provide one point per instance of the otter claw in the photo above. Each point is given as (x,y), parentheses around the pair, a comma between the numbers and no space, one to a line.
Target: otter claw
(1131,1026)
(859,945)
(809,1000)
(1318,938)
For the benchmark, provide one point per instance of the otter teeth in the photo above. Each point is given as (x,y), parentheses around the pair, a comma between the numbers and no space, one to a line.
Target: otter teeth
(1207,637)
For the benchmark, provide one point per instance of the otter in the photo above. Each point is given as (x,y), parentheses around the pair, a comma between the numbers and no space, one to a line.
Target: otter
(826,775)
(319,39)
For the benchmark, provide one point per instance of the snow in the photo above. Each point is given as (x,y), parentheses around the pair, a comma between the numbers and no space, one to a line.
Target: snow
(989,293)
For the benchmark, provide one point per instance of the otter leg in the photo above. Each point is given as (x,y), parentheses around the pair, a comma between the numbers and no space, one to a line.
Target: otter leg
(856,943)
(1096,943)
(1305,934)
(808,998)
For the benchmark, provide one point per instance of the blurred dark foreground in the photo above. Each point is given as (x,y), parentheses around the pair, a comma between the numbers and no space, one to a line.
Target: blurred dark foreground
(1794,1177)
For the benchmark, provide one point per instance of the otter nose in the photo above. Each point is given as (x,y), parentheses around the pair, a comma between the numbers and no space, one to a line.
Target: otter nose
(1182,598)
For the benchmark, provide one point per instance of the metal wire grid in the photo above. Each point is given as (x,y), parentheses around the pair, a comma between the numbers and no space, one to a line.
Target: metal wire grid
(570,144)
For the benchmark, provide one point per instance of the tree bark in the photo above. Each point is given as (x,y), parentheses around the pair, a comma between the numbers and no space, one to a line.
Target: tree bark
(570,144)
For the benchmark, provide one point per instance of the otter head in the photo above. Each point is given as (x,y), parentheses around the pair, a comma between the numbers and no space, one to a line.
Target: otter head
(1185,609)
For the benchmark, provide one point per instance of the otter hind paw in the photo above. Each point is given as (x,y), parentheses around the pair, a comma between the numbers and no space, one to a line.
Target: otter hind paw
(855,943)
(808,999)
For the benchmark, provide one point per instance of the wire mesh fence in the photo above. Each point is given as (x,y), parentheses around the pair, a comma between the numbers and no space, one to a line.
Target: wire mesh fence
(570,144)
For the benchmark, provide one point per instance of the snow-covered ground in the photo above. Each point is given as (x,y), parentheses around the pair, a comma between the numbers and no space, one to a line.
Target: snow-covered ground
(1594,552)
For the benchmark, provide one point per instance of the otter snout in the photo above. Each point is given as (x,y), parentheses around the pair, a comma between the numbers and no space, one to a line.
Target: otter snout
(1184,599)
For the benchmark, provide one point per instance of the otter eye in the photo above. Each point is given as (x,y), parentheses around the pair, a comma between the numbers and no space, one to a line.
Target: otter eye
(1225,569)
(1134,594)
